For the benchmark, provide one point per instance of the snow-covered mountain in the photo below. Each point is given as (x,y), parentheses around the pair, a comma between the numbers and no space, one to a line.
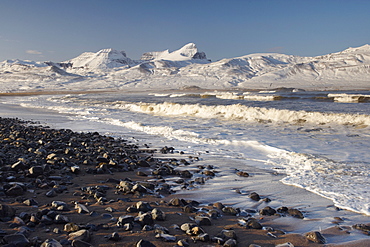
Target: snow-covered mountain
(103,59)
(186,67)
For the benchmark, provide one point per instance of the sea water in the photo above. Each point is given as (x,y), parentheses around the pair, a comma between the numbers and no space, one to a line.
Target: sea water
(317,141)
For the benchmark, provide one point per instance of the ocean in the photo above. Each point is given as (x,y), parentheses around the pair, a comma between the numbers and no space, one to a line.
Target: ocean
(315,143)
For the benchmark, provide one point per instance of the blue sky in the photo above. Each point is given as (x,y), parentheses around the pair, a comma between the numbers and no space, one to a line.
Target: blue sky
(44,30)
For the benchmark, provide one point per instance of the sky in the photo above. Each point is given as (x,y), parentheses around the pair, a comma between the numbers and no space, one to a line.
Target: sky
(49,30)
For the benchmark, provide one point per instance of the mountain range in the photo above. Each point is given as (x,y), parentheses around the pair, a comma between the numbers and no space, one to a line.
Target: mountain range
(189,68)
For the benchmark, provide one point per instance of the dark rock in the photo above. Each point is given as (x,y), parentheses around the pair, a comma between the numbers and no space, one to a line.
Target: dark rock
(214,213)
(230,243)
(295,213)
(128,226)
(218,205)
(144,243)
(80,243)
(46,220)
(142,174)
(187,226)
(75,169)
(35,171)
(18,240)
(51,193)
(166,237)
(143,206)
(177,202)
(254,196)
(283,210)
(115,237)
(186,174)
(19,166)
(189,209)
(51,243)
(242,174)
(6,212)
(81,209)
(83,235)
(362,227)
(160,229)
(230,210)
(71,227)
(16,222)
(110,209)
(183,243)
(122,220)
(204,237)
(158,214)
(61,219)
(267,211)
(132,209)
(147,228)
(15,190)
(208,173)
(251,223)
(125,186)
(30,202)
(315,237)
(143,163)
(144,219)
(203,221)
(227,234)
(59,205)
(139,188)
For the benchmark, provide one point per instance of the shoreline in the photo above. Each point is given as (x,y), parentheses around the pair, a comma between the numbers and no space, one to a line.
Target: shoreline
(57,120)
(191,89)
(270,235)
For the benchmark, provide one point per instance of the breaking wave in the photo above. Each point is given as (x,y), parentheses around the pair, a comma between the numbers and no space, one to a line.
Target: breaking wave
(245,113)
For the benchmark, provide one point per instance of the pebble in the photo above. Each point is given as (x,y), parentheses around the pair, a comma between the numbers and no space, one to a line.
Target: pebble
(44,162)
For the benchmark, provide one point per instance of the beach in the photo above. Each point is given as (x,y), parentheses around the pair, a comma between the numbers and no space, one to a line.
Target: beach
(104,219)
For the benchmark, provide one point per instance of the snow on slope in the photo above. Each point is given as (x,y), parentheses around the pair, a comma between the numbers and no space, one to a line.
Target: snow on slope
(103,59)
(187,52)
(111,69)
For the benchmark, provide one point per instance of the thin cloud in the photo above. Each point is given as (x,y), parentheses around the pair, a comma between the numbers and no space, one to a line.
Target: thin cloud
(34,52)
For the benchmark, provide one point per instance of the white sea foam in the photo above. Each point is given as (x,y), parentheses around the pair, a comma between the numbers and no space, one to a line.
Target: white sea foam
(244,113)
(349,98)
(261,97)
(345,184)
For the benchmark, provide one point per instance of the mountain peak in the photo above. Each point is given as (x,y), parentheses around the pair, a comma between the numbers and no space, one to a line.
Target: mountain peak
(365,48)
(103,59)
(187,52)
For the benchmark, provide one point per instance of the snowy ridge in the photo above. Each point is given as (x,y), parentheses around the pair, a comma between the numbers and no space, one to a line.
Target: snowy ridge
(187,52)
(187,67)
(103,59)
